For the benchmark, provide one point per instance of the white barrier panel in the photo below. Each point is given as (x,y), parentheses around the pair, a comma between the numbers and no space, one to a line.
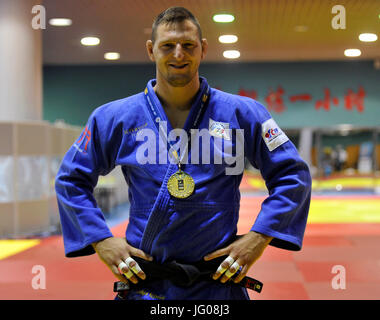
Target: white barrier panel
(30,156)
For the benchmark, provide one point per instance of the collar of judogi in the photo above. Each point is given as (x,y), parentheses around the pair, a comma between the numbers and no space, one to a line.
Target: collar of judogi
(197,109)
(193,120)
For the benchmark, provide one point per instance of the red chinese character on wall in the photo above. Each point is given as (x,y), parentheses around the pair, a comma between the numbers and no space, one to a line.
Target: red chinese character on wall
(274,100)
(325,103)
(300,97)
(352,99)
(248,93)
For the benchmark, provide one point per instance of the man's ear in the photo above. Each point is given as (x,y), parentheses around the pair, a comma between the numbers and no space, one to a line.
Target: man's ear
(204,47)
(149,49)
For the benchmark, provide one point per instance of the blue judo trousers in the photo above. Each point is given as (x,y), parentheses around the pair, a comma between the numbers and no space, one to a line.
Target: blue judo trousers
(120,134)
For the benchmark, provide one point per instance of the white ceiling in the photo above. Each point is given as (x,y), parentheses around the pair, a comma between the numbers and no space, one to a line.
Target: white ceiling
(265,29)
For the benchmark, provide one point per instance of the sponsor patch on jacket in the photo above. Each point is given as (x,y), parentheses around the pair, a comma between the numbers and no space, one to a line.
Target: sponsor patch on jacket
(272,134)
(219,129)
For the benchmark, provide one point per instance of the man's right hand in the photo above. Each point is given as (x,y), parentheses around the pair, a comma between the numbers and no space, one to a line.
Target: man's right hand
(115,252)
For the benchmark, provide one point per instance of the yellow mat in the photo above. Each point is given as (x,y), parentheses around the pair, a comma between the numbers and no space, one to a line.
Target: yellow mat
(11,247)
(339,210)
(344,210)
(349,182)
(257,183)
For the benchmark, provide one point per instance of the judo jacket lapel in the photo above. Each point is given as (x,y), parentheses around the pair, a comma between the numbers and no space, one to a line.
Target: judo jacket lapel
(158,213)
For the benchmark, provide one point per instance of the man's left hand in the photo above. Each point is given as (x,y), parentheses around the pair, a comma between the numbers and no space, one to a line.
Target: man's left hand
(241,253)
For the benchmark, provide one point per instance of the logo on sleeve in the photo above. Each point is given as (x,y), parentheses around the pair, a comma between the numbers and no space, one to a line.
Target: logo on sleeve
(272,134)
(83,140)
(219,129)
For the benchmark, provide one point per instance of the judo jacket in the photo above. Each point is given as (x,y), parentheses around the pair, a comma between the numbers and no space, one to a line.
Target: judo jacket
(131,133)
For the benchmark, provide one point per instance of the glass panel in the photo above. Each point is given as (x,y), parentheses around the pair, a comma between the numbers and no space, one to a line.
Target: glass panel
(6,179)
(32,177)
(55,163)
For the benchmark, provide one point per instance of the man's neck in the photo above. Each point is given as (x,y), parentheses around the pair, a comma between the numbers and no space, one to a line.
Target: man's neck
(177,98)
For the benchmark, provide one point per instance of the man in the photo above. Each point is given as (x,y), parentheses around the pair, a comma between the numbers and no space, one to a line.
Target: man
(183,211)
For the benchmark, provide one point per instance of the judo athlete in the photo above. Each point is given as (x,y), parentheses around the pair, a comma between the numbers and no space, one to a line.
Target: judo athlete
(182,211)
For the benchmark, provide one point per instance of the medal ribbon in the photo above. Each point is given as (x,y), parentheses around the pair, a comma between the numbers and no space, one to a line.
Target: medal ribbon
(200,103)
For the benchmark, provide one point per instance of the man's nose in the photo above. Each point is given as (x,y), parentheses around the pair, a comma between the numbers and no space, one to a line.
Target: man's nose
(178,51)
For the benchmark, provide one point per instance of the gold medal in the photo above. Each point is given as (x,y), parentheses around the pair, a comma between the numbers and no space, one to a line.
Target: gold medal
(181,185)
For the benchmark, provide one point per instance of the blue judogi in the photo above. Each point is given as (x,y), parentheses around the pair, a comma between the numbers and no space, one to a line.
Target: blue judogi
(184,230)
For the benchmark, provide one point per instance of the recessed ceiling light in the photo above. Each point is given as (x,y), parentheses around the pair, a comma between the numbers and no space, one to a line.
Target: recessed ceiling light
(301,28)
(60,22)
(223,18)
(231,54)
(112,56)
(352,52)
(228,38)
(367,37)
(90,41)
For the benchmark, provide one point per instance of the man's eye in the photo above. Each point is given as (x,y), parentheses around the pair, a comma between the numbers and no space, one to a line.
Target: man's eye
(167,46)
(188,45)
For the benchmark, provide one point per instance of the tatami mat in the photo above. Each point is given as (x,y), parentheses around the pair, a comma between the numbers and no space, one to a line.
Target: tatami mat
(342,231)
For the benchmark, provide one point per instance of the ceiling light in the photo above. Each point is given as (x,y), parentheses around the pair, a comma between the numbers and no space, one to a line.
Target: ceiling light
(228,38)
(301,28)
(112,56)
(231,54)
(352,52)
(223,18)
(367,37)
(90,41)
(60,22)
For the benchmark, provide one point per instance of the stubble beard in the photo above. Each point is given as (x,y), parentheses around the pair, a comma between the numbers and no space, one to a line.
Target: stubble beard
(175,79)
(179,80)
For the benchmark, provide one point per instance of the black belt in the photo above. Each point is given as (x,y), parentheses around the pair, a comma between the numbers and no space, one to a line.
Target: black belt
(182,275)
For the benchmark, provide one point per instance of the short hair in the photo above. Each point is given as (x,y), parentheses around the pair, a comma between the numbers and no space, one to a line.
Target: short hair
(174,15)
